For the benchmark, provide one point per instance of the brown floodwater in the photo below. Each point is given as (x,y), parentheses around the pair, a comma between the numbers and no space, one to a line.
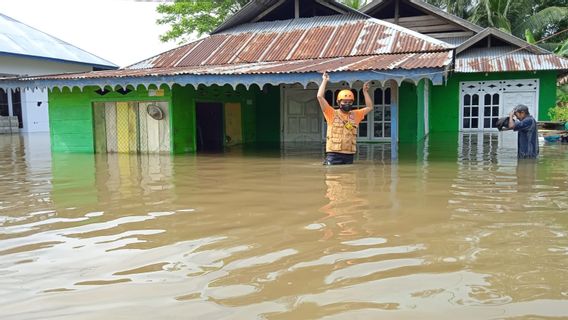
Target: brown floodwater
(455,228)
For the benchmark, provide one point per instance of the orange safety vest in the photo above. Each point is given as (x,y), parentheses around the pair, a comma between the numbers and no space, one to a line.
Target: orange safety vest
(341,134)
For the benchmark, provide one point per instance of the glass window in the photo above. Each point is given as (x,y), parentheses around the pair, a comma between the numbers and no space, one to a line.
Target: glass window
(355,96)
(378,99)
(329,97)
(3,103)
(496,98)
(362,129)
(387,96)
(467,100)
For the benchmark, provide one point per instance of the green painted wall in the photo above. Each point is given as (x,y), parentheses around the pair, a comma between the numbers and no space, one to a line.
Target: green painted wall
(408,107)
(71,115)
(268,113)
(71,121)
(184,100)
(444,106)
(420,107)
(183,119)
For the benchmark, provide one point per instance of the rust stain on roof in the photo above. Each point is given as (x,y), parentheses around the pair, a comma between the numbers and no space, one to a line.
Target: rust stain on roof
(499,59)
(354,63)
(363,37)
(343,41)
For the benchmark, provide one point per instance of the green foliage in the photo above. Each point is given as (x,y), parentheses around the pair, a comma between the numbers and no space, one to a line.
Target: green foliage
(355,4)
(560,111)
(562,49)
(188,18)
(529,37)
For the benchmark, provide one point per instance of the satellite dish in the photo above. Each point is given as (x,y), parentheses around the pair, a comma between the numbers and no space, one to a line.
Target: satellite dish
(155,112)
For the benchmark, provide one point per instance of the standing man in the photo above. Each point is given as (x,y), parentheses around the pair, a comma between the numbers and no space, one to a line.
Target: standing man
(341,137)
(526,127)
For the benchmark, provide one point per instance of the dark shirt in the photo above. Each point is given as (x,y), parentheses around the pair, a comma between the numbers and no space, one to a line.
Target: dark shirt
(527,143)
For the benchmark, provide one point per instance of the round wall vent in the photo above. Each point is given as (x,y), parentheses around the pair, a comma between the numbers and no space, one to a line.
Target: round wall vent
(155,112)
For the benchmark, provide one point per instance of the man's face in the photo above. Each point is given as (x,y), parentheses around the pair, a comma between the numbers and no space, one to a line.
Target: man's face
(520,115)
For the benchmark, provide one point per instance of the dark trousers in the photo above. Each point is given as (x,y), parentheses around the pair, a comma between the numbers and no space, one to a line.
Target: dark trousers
(332,158)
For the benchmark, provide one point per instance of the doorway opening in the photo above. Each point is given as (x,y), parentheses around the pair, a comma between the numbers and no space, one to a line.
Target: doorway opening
(209,119)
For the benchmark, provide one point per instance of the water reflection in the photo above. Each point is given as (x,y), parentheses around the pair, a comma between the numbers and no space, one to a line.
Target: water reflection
(345,209)
(455,227)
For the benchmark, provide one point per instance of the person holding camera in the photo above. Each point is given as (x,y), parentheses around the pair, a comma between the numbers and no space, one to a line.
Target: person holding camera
(526,127)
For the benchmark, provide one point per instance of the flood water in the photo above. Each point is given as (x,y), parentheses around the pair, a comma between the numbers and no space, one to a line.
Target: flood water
(449,230)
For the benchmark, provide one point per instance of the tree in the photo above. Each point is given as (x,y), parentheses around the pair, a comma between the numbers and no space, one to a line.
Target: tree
(188,18)
(355,4)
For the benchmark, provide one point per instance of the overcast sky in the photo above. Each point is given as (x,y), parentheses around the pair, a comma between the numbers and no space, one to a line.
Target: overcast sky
(120,31)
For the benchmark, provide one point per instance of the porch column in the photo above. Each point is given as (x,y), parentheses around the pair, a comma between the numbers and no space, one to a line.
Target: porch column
(394,121)
(10,107)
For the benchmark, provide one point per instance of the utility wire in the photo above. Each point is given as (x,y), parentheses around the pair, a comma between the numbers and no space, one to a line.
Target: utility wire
(488,59)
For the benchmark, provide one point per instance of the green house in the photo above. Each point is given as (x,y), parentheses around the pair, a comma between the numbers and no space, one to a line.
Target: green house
(254,80)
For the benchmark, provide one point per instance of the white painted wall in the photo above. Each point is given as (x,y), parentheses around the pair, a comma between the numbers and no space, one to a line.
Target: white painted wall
(31,66)
(35,116)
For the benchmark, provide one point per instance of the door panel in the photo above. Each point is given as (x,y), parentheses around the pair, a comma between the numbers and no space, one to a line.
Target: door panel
(302,116)
(233,124)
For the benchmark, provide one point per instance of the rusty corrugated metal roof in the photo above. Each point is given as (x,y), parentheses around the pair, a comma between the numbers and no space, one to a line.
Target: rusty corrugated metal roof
(499,59)
(298,39)
(405,61)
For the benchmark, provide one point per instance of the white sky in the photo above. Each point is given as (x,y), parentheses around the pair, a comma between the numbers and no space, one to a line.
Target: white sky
(120,31)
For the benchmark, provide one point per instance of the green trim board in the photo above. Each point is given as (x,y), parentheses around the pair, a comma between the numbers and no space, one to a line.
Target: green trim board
(445,100)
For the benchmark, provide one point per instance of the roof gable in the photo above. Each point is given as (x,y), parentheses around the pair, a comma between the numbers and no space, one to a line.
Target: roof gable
(19,39)
(273,10)
(297,39)
(507,38)
(421,17)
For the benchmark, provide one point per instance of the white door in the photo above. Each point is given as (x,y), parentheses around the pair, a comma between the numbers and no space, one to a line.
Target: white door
(512,99)
(303,118)
(482,103)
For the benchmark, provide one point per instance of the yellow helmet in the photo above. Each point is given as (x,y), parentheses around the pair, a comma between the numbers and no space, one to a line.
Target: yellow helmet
(345,94)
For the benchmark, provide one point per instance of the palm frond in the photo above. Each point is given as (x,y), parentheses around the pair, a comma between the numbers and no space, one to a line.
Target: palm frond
(542,19)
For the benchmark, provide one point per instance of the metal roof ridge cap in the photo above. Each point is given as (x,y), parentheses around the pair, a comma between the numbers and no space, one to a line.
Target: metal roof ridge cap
(410,32)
